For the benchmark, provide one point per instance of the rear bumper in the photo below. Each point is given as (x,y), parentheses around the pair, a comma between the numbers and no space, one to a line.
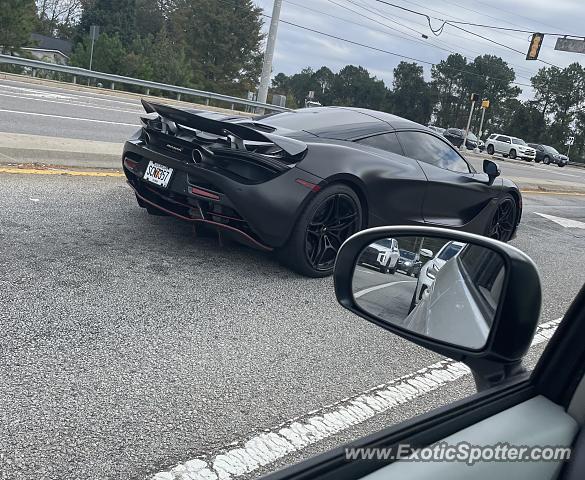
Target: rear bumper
(260,215)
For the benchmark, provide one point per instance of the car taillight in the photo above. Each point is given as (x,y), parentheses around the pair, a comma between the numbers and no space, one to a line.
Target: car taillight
(130,164)
(204,193)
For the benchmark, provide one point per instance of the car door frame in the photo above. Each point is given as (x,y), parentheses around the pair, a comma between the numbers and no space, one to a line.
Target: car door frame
(556,376)
(473,177)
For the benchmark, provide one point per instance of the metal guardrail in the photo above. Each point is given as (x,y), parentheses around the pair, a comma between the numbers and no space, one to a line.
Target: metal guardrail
(108,77)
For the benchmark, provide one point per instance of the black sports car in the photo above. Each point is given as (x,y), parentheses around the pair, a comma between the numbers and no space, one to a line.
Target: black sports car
(301,182)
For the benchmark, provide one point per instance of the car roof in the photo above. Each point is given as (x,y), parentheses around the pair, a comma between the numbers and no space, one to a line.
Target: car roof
(341,123)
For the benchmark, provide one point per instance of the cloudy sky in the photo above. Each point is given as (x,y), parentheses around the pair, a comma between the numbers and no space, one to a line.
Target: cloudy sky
(388,28)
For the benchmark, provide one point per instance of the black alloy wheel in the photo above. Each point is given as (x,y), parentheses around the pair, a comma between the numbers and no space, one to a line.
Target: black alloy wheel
(504,220)
(512,154)
(335,220)
(331,216)
(546,160)
(490,149)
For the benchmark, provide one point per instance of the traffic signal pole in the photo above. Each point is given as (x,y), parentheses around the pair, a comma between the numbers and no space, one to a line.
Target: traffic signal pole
(476,150)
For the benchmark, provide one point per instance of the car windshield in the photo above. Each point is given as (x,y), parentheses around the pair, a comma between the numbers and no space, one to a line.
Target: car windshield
(407,254)
(449,251)
(385,242)
(471,136)
(551,150)
(518,141)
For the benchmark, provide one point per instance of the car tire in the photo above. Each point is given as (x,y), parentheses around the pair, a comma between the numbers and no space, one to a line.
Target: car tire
(537,160)
(392,271)
(546,160)
(384,269)
(561,164)
(490,149)
(503,222)
(311,248)
(512,154)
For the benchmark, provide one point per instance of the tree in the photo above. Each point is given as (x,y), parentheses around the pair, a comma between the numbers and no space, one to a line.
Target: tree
(108,54)
(353,86)
(411,97)
(491,77)
(17,20)
(114,17)
(448,90)
(57,17)
(222,41)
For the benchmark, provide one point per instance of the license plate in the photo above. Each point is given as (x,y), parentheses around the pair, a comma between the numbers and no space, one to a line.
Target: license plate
(158,174)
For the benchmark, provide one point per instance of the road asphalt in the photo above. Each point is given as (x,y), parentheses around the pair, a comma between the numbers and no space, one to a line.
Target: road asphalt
(129,345)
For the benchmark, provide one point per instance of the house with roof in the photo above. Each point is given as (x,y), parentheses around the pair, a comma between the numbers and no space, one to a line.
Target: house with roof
(49,49)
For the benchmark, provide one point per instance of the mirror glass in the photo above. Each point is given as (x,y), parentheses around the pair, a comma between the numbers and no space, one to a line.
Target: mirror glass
(435,287)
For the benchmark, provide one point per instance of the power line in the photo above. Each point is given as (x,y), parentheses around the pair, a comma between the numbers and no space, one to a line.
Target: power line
(381,50)
(448,22)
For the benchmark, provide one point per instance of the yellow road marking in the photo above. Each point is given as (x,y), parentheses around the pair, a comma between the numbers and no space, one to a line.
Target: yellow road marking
(75,173)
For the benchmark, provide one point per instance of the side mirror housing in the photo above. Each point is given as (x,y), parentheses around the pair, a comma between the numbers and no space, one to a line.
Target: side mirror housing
(491,169)
(479,303)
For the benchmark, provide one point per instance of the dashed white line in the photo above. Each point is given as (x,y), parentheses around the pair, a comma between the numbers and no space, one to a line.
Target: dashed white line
(75,104)
(294,435)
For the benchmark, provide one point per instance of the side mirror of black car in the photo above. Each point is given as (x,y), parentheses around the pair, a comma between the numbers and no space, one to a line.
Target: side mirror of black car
(491,169)
(477,301)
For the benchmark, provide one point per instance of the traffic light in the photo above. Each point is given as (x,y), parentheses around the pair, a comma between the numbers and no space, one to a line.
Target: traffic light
(535,44)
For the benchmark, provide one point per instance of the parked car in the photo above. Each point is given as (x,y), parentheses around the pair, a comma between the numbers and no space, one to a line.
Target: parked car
(382,255)
(456,137)
(548,154)
(409,263)
(437,129)
(481,145)
(429,271)
(299,183)
(508,146)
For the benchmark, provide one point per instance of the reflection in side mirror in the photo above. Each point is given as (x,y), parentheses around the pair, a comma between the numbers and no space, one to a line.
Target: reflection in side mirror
(452,298)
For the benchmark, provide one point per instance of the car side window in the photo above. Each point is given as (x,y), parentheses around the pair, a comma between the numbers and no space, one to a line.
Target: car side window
(430,149)
(501,138)
(385,141)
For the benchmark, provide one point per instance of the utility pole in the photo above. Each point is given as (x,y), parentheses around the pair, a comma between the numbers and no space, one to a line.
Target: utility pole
(474,98)
(94,31)
(269,54)
(485,103)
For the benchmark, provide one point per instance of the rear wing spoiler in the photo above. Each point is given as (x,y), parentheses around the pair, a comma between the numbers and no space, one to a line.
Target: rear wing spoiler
(291,146)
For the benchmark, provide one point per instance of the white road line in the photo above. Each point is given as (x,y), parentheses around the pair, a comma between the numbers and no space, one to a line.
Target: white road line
(295,434)
(565,222)
(74,104)
(365,291)
(94,95)
(69,118)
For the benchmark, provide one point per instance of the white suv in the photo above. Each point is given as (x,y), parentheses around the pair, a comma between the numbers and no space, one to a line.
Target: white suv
(509,146)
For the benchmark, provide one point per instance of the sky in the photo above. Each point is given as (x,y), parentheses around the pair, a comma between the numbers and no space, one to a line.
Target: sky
(388,28)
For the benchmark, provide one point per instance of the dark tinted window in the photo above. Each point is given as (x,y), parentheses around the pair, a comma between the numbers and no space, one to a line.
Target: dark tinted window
(386,141)
(429,149)
(503,139)
(449,252)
